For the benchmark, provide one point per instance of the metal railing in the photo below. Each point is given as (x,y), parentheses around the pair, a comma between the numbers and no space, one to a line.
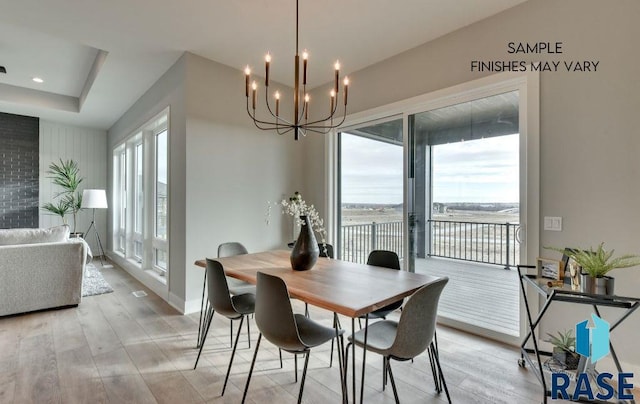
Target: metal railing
(358,240)
(489,243)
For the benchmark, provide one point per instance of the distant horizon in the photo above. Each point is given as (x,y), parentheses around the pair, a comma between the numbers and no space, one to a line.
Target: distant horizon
(478,171)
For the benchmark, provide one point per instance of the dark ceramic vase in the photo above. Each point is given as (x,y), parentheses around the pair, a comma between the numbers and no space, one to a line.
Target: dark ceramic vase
(305,252)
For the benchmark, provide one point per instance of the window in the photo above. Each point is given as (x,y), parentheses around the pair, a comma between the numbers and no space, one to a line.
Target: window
(141,217)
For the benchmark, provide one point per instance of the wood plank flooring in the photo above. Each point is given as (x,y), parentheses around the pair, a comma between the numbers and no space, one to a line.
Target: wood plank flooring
(116,348)
(486,296)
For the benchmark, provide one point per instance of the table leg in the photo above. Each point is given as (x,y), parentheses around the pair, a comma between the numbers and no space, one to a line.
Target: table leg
(353,361)
(364,356)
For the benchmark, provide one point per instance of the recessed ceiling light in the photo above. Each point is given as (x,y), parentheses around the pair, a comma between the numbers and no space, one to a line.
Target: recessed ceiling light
(37,80)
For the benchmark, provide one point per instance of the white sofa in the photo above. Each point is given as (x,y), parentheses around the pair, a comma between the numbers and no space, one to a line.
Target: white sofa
(40,269)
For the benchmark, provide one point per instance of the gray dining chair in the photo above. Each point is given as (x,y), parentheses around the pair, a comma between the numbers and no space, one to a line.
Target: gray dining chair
(221,301)
(386,259)
(407,338)
(293,333)
(236,286)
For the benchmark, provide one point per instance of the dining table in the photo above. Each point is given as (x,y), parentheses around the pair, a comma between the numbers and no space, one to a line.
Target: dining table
(351,289)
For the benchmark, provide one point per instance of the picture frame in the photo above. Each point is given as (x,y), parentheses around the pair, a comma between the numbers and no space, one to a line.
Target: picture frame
(571,268)
(550,269)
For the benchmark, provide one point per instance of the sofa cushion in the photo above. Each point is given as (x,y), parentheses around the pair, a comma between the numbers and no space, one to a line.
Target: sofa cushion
(34,236)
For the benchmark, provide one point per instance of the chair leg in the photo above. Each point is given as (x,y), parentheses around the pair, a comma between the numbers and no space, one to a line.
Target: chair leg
(441,376)
(306,309)
(231,333)
(393,382)
(304,375)
(295,359)
(253,362)
(384,372)
(202,311)
(248,333)
(280,352)
(343,376)
(208,319)
(434,370)
(233,353)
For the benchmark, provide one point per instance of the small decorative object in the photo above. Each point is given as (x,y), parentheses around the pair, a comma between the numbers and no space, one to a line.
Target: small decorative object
(305,250)
(594,266)
(550,269)
(564,349)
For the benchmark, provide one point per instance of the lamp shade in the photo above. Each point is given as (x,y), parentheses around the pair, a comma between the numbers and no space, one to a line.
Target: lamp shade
(94,199)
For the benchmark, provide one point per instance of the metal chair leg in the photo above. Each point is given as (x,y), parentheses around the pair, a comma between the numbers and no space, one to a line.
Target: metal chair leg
(441,376)
(233,353)
(295,359)
(393,382)
(206,332)
(202,311)
(231,334)
(304,376)
(280,352)
(248,333)
(253,362)
(384,372)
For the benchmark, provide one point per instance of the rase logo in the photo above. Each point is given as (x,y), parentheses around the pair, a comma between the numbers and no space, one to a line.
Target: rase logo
(592,342)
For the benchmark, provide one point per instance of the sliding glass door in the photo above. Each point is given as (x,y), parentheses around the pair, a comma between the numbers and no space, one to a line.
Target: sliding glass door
(371,191)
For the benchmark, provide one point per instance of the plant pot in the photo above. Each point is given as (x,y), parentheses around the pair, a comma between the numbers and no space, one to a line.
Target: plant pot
(570,360)
(305,252)
(598,286)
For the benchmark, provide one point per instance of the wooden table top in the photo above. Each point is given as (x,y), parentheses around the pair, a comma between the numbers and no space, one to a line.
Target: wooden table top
(344,287)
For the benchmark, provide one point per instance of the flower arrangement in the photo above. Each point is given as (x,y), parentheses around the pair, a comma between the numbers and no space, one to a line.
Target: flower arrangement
(296,206)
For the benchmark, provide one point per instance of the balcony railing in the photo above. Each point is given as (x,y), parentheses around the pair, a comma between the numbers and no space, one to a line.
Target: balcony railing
(358,240)
(489,243)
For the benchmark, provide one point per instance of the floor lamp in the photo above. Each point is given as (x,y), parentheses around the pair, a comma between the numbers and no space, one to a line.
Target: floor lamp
(94,199)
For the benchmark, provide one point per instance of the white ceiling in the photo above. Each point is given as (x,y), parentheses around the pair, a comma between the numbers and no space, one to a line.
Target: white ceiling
(59,40)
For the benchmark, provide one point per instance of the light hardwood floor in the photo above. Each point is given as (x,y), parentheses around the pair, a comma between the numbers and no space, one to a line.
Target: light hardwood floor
(118,348)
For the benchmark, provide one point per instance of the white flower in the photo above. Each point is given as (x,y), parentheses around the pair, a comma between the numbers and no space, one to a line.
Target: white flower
(296,207)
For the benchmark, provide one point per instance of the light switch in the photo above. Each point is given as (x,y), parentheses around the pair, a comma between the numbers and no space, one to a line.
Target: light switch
(553,223)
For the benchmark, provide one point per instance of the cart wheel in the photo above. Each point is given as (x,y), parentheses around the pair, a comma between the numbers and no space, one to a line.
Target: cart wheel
(521,363)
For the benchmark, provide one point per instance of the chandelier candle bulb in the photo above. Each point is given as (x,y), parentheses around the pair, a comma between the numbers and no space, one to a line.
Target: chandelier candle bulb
(305,56)
(267,60)
(306,106)
(333,95)
(337,66)
(346,89)
(277,95)
(247,75)
(254,86)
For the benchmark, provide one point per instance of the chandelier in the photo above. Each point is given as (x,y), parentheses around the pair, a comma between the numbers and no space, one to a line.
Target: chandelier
(300,123)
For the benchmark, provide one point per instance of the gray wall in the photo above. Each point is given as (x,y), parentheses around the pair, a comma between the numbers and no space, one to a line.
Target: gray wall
(589,143)
(232,170)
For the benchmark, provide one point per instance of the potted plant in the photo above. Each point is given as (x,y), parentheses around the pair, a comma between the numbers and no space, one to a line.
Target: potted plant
(66,175)
(564,349)
(595,264)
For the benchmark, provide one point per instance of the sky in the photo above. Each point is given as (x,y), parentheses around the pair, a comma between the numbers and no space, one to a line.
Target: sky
(483,170)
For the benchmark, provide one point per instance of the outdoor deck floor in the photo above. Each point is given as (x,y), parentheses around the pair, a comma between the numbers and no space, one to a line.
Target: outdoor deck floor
(485,296)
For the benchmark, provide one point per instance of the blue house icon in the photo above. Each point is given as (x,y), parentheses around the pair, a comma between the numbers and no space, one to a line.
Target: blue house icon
(593,341)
